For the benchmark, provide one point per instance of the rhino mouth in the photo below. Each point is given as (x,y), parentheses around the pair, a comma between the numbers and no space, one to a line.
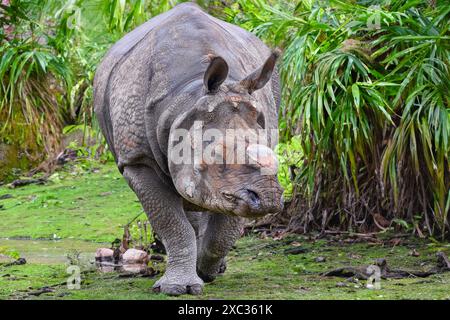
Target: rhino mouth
(250,203)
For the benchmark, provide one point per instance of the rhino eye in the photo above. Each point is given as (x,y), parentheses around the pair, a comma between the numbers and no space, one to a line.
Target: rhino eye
(261,121)
(229,196)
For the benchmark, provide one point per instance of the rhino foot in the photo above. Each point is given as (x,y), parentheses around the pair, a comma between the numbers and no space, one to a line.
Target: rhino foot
(209,276)
(223,266)
(206,277)
(172,287)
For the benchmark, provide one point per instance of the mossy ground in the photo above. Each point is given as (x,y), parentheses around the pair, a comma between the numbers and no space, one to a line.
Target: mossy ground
(86,206)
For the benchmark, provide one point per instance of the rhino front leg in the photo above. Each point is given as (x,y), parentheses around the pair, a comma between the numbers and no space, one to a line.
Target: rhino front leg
(221,233)
(164,209)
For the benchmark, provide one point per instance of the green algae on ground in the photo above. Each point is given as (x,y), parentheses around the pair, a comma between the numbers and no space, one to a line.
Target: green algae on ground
(92,204)
(87,207)
(262,266)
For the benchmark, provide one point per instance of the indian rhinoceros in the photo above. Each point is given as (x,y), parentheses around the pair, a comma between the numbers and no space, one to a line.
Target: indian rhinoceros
(182,70)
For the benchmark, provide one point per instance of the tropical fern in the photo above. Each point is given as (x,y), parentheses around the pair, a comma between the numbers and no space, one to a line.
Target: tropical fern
(366,89)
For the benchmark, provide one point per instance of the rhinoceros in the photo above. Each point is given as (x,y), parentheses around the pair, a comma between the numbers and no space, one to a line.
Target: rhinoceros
(185,71)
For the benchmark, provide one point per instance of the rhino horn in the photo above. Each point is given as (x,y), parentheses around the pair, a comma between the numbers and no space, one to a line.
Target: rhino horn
(262,156)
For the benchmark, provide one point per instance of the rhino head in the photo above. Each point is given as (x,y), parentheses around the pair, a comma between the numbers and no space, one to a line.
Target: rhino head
(219,151)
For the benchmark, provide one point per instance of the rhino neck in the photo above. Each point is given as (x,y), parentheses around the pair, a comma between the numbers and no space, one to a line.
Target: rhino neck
(163,113)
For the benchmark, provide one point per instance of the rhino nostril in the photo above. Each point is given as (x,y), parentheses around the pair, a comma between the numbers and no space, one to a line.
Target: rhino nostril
(253,196)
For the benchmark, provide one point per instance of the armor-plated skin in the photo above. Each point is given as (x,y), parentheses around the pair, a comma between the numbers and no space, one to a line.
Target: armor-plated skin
(179,67)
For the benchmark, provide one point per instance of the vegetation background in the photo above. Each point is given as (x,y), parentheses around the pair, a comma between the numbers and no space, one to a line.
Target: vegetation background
(365,119)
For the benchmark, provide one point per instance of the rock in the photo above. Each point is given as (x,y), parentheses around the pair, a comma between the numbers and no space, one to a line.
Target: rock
(341,284)
(104,254)
(135,256)
(320,259)
(414,253)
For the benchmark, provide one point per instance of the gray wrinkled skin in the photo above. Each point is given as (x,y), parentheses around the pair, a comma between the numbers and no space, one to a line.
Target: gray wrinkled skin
(179,67)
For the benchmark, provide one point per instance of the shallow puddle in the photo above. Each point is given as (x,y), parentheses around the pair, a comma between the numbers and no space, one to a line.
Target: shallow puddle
(53,251)
(131,268)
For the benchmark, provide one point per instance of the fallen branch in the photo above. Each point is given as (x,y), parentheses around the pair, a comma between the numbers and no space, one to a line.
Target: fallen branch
(363,272)
(18,262)
(37,293)
(25,182)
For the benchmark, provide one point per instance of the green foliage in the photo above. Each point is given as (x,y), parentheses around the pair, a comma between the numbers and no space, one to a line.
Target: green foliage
(49,52)
(141,232)
(365,120)
(32,81)
(92,144)
(365,88)
(125,15)
(290,156)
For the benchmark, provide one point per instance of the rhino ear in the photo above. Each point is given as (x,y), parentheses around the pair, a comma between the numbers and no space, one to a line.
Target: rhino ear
(258,78)
(215,74)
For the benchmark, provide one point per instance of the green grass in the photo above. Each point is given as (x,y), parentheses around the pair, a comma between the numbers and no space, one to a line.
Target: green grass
(88,207)
(81,204)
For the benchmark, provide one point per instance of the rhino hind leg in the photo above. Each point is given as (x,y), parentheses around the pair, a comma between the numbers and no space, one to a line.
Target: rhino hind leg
(199,221)
(164,209)
(221,233)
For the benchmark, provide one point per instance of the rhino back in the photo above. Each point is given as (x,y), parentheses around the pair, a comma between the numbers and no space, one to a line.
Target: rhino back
(143,73)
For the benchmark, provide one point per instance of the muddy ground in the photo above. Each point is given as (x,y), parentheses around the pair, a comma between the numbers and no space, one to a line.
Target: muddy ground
(84,207)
